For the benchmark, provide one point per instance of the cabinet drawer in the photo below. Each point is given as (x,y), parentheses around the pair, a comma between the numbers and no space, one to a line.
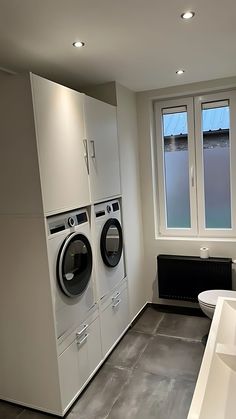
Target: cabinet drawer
(114,320)
(79,360)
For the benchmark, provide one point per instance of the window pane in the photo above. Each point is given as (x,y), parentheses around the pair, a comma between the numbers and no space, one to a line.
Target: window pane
(216,158)
(175,132)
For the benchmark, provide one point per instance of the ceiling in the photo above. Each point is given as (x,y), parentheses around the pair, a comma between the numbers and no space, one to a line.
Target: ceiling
(139,43)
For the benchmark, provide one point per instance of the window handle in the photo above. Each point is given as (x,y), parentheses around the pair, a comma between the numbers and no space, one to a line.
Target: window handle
(192,176)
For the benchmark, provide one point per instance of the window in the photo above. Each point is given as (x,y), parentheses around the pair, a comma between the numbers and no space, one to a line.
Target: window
(176,167)
(196,142)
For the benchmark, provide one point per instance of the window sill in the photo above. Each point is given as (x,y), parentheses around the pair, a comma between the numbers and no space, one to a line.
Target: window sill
(197,238)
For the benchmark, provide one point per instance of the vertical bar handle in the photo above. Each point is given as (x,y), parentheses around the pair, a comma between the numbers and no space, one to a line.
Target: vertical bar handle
(93,155)
(192,176)
(86,154)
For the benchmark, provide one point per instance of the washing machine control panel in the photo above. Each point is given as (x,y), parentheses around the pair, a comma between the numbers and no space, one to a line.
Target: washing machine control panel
(62,222)
(108,209)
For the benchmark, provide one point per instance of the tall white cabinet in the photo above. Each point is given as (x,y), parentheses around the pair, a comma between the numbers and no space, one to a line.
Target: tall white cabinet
(59,152)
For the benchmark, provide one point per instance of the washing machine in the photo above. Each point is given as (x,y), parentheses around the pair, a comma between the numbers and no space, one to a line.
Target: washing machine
(110,268)
(71,268)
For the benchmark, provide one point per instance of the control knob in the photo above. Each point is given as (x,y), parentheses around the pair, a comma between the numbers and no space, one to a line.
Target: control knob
(71,222)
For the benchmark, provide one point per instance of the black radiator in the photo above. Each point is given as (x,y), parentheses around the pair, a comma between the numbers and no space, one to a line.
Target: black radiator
(184,277)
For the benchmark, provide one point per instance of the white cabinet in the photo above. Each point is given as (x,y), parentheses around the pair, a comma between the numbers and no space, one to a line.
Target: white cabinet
(101,134)
(78,361)
(59,120)
(114,317)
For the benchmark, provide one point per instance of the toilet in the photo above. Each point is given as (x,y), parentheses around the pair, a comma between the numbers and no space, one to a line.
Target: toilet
(208,299)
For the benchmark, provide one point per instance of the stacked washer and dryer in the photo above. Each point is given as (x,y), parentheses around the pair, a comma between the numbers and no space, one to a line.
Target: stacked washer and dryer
(72,248)
(110,272)
(89,289)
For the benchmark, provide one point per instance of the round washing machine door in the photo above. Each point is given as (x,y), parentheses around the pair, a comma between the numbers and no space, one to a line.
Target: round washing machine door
(111,242)
(75,263)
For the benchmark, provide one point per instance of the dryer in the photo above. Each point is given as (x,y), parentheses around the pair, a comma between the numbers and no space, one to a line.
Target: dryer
(71,268)
(110,268)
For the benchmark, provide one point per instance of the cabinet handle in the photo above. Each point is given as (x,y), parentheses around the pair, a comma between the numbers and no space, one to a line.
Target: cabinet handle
(82,340)
(93,155)
(116,296)
(116,304)
(86,155)
(78,334)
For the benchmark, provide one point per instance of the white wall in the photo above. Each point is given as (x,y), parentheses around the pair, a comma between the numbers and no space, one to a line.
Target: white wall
(125,100)
(154,246)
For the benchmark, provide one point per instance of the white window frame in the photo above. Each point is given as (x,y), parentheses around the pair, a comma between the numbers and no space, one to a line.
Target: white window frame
(163,229)
(196,166)
(198,102)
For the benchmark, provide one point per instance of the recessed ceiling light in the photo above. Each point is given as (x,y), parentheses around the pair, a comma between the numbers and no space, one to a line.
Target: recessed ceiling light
(187,15)
(179,72)
(78,44)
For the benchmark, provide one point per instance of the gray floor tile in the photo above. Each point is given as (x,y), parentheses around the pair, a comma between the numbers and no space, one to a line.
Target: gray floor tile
(9,411)
(149,321)
(179,400)
(179,325)
(32,414)
(171,357)
(98,399)
(129,350)
(149,396)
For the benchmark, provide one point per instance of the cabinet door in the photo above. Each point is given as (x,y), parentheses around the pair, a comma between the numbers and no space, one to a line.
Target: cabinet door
(94,345)
(74,369)
(69,376)
(59,119)
(114,320)
(82,359)
(101,133)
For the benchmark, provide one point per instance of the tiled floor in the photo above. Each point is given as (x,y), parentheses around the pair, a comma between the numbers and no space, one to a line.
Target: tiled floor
(151,373)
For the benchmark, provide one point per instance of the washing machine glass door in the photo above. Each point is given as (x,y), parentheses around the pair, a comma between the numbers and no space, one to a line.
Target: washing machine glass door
(111,242)
(74,265)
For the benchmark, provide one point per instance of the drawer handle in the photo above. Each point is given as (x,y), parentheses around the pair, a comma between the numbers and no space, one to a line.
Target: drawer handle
(116,304)
(85,327)
(116,296)
(82,340)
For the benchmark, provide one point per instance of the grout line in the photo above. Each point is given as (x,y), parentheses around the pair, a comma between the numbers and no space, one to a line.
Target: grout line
(141,332)
(180,338)
(121,389)
(158,324)
(18,416)
(141,353)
